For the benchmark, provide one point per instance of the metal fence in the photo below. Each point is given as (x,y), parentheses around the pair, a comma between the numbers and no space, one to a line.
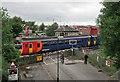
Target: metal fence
(28,60)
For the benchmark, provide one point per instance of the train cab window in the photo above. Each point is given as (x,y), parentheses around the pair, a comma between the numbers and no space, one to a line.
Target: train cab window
(26,45)
(38,45)
(18,46)
(30,46)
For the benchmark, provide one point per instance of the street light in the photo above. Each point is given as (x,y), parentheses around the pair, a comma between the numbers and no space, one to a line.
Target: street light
(59,38)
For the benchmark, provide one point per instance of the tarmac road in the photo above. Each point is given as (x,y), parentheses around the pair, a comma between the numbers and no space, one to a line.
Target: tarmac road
(71,70)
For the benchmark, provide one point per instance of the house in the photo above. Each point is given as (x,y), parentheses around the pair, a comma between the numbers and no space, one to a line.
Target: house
(66,31)
(86,30)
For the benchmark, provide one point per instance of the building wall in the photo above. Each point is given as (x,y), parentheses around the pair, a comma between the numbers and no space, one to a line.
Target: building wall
(66,33)
(86,30)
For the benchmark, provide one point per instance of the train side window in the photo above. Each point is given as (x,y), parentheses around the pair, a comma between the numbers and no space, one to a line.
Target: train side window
(30,45)
(26,45)
(61,42)
(53,43)
(38,45)
(78,41)
(66,42)
(45,44)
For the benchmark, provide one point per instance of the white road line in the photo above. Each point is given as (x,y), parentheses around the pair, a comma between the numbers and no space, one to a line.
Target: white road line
(47,72)
(51,63)
(53,60)
(44,62)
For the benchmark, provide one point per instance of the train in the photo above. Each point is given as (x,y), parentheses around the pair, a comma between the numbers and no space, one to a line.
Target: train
(30,46)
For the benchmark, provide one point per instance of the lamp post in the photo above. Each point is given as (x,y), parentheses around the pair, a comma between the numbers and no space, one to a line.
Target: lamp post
(59,38)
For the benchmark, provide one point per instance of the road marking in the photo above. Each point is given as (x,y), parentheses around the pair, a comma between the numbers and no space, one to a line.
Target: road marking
(44,62)
(47,72)
(53,59)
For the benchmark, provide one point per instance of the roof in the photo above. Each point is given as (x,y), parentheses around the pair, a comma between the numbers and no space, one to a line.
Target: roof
(66,29)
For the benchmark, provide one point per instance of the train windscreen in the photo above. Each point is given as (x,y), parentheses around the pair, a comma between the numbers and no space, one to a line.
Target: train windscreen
(18,46)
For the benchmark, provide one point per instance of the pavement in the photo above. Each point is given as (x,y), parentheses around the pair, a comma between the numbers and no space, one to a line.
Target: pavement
(70,70)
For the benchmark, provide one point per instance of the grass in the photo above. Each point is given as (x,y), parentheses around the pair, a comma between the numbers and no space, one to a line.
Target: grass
(102,64)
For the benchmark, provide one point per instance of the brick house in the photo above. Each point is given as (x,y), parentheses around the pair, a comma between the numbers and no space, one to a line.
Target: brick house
(86,30)
(66,31)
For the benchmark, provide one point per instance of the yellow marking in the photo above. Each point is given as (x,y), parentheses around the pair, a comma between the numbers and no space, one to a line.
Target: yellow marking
(94,41)
(39,58)
(88,41)
(20,51)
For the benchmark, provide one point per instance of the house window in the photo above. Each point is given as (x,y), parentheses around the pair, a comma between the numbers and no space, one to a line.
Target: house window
(61,34)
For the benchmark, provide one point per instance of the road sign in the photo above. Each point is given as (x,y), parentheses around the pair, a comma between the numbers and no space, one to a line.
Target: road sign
(107,63)
(39,58)
(13,74)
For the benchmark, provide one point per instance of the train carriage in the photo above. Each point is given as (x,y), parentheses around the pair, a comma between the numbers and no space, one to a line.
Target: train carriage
(39,45)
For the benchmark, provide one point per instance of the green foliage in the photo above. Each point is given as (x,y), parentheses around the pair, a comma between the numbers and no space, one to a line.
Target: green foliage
(42,27)
(9,53)
(50,30)
(6,28)
(109,21)
(16,26)
(8,50)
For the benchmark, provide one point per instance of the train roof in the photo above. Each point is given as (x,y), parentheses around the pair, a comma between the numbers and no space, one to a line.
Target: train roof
(53,38)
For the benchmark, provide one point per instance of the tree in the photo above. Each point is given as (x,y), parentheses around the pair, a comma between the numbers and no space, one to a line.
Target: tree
(109,21)
(16,26)
(42,27)
(50,30)
(8,49)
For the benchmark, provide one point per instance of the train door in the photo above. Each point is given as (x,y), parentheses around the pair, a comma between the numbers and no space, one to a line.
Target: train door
(88,41)
(94,40)
(30,48)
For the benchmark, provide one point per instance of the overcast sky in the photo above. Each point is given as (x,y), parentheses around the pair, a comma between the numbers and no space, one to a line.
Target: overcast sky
(74,13)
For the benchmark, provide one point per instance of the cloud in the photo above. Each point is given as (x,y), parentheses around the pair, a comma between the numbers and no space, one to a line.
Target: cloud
(66,12)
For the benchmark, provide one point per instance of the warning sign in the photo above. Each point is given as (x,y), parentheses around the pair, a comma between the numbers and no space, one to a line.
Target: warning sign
(107,63)
(39,58)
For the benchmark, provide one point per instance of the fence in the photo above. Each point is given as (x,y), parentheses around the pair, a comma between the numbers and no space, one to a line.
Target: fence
(29,60)
(100,62)
(97,61)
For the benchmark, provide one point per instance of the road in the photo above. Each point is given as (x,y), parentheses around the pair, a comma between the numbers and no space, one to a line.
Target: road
(71,70)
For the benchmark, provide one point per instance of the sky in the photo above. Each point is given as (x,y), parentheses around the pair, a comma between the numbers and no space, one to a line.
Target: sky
(72,12)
